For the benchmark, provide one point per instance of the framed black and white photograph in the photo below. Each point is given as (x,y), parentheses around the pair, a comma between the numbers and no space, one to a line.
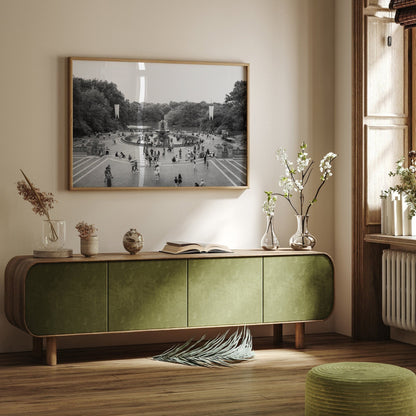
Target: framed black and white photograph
(138,124)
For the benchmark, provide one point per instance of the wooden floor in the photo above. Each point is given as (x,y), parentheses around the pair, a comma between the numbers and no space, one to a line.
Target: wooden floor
(125,381)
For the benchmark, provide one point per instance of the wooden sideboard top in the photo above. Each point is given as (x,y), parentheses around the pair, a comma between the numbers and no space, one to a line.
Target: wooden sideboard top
(157,255)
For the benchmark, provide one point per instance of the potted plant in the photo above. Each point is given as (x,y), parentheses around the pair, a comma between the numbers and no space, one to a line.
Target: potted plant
(88,237)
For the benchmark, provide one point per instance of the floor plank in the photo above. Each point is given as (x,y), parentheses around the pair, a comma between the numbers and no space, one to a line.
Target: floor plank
(126,381)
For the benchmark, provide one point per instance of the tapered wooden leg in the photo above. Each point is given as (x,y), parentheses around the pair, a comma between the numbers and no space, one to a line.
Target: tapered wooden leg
(51,350)
(37,346)
(277,334)
(300,335)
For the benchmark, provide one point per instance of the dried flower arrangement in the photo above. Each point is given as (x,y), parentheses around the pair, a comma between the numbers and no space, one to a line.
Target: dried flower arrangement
(42,201)
(86,230)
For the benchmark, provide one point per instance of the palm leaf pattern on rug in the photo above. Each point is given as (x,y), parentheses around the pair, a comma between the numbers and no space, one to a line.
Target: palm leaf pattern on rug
(220,351)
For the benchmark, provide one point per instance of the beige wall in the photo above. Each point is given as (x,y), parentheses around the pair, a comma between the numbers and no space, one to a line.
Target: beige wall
(343,146)
(290,47)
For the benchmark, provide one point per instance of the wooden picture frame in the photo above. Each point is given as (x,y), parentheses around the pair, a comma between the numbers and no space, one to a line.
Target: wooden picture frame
(153,124)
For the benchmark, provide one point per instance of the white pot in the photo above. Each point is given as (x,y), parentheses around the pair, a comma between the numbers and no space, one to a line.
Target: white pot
(89,246)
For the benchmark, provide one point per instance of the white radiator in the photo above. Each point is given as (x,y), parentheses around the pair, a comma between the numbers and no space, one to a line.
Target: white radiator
(399,289)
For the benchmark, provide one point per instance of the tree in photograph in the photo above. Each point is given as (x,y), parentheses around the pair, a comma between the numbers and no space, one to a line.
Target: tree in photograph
(98,116)
(93,107)
(187,115)
(151,113)
(236,105)
(133,113)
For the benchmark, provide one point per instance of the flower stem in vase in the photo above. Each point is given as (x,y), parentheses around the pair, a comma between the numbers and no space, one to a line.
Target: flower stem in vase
(42,207)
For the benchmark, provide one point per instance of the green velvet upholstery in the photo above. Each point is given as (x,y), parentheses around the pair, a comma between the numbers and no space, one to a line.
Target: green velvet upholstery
(298,288)
(225,291)
(72,297)
(66,298)
(360,389)
(147,295)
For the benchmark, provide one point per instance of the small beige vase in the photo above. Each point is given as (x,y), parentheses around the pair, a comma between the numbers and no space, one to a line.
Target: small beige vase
(89,246)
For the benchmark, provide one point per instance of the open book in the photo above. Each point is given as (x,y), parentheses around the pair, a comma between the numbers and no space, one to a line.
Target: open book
(183,247)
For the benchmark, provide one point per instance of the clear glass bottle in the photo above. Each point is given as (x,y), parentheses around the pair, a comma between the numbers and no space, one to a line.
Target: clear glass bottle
(269,240)
(302,239)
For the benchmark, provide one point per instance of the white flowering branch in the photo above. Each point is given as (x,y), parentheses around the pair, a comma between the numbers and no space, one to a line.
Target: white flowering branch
(304,166)
(269,204)
(325,168)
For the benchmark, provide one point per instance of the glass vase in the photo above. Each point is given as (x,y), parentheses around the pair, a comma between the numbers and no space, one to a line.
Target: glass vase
(53,234)
(302,239)
(269,240)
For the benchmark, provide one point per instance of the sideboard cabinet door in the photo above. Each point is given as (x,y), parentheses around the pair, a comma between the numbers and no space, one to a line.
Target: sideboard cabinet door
(225,291)
(148,294)
(63,298)
(298,288)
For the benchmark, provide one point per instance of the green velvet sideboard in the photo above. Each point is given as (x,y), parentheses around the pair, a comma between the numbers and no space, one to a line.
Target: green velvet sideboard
(112,293)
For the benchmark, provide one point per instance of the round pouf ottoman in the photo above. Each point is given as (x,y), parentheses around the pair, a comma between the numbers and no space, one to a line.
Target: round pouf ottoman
(360,389)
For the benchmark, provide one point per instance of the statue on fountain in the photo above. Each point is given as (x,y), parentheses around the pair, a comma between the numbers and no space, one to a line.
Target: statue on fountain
(163,133)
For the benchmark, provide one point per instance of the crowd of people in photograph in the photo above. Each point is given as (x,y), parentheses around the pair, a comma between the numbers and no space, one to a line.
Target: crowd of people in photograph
(159,152)
(188,151)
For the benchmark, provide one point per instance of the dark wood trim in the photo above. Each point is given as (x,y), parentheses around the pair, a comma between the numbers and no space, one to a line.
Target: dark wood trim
(357,159)
(366,258)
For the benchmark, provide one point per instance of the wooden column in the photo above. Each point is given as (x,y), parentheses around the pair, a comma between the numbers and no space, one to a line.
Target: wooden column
(300,335)
(51,350)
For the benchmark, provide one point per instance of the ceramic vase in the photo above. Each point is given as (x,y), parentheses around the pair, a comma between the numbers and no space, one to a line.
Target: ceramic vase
(89,246)
(133,241)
